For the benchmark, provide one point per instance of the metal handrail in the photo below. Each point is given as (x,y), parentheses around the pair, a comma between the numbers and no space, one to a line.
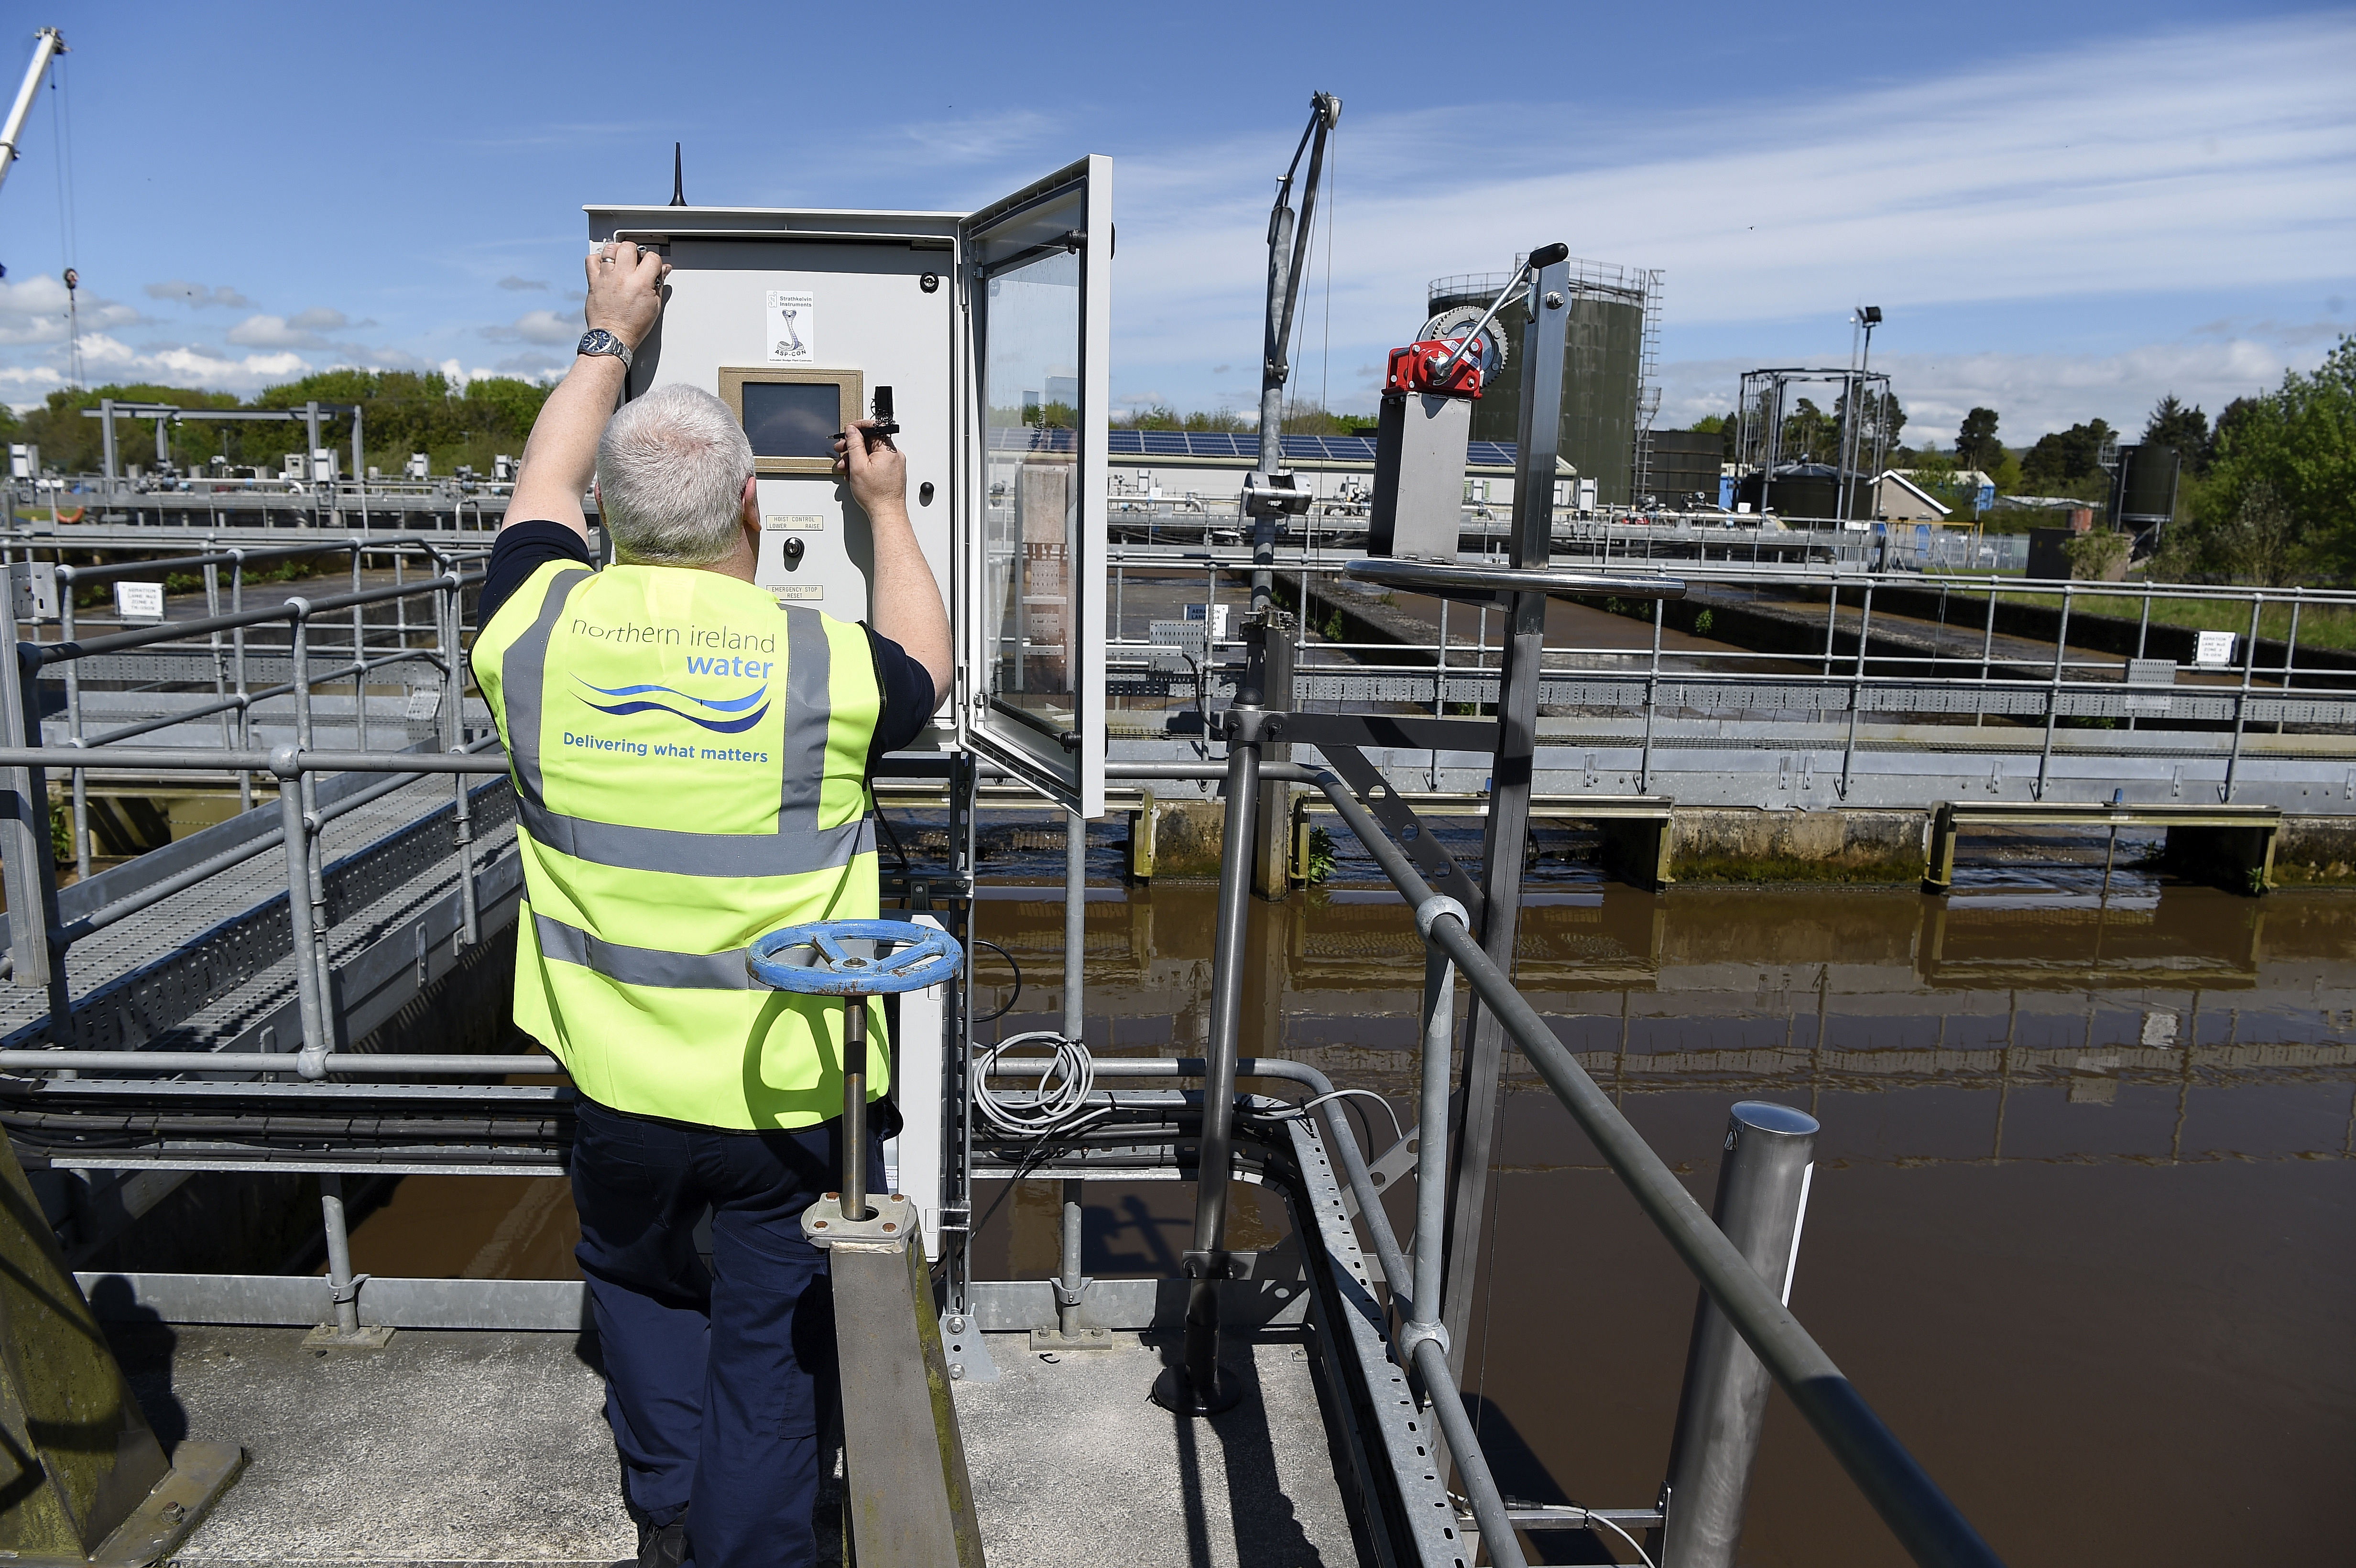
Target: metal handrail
(1933,1529)
(38,654)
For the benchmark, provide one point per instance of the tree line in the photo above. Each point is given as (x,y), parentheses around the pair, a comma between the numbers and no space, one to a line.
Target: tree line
(401,412)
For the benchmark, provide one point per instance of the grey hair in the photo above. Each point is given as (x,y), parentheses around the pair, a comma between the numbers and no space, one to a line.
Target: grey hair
(671,468)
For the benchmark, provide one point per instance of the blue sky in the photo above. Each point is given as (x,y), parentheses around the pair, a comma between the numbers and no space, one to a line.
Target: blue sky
(2064,211)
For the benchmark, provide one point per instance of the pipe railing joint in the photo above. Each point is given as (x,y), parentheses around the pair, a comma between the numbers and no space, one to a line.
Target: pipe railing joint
(1433,908)
(1410,1335)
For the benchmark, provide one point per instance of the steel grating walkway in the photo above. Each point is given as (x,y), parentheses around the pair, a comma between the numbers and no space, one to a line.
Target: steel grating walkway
(212,967)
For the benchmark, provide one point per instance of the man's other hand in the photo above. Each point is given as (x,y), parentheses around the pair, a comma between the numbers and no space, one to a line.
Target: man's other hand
(878,478)
(624,290)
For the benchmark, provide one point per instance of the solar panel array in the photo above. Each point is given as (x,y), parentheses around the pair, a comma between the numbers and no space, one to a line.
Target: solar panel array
(1231,446)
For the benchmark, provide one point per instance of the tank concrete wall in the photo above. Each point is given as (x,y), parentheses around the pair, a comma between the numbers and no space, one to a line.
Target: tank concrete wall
(1737,845)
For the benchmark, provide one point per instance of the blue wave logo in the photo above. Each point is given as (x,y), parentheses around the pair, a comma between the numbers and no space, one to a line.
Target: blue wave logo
(628,700)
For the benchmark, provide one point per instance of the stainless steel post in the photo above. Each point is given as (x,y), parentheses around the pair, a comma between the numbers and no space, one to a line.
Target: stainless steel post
(854,1108)
(1762,1198)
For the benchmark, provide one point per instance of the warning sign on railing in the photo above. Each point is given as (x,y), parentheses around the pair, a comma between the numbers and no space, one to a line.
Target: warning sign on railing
(139,601)
(2213,648)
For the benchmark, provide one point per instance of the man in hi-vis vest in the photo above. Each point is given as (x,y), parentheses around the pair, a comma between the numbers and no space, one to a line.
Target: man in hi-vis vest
(690,764)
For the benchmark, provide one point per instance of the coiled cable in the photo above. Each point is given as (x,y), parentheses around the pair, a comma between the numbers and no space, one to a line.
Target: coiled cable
(1063,1092)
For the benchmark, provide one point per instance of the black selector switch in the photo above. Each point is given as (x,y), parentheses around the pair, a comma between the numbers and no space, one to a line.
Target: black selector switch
(793,551)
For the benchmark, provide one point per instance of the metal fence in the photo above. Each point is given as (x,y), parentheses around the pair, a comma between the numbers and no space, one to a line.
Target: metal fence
(2078,656)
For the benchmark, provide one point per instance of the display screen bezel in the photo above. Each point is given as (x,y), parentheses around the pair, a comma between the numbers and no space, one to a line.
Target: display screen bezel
(851,404)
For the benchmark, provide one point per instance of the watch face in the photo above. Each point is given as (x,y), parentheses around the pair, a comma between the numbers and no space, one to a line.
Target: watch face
(596,339)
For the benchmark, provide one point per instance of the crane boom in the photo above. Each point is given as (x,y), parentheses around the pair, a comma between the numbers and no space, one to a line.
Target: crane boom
(47,44)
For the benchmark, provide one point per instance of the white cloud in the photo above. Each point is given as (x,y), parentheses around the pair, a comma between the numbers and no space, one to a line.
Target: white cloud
(2201,162)
(536,327)
(512,283)
(107,358)
(273,332)
(199,297)
(34,310)
(303,329)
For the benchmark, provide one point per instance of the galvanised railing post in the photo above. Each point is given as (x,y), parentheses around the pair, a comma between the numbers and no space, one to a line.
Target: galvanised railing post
(448,605)
(299,616)
(80,780)
(213,639)
(1987,658)
(359,659)
(2053,691)
(296,831)
(341,1287)
(1926,1522)
(1195,1387)
(2290,648)
(1762,1200)
(1857,685)
(2242,699)
(1832,617)
(237,662)
(1652,701)
(2143,635)
(1431,1133)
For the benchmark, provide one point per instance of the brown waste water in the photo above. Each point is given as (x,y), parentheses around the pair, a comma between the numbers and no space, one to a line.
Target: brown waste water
(2080,1231)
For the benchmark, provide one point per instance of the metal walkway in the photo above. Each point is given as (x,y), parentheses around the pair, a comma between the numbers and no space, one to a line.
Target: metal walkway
(212,967)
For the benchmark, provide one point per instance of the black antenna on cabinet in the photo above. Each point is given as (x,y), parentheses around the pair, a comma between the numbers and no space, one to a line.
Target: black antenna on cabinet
(677,184)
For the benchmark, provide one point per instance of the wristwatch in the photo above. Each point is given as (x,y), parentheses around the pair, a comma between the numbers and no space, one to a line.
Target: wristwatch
(597,340)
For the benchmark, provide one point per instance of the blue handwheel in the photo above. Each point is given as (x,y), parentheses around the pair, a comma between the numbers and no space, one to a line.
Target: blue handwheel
(891,956)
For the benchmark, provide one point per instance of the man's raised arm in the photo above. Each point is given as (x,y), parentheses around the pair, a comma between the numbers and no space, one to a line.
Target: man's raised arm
(561,458)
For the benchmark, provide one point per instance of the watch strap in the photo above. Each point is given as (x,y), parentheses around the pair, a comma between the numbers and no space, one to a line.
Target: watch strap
(597,340)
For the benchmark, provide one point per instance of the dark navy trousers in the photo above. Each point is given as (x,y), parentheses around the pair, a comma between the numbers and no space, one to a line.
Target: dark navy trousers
(720,1383)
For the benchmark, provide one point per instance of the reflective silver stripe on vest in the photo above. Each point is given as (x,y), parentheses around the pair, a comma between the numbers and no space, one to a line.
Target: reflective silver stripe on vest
(698,854)
(799,845)
(641,966)
(523,675)
(809,704)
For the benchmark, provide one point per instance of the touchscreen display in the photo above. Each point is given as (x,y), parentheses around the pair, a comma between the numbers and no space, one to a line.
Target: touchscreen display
(793,419)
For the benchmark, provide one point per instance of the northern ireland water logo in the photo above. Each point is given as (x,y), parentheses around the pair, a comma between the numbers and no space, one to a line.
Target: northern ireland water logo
(733,718)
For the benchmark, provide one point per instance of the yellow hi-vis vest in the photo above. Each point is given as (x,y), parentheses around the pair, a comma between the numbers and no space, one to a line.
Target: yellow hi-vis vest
(689,765)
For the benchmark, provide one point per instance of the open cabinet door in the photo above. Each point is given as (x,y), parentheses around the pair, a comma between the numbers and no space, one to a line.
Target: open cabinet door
(1038,285)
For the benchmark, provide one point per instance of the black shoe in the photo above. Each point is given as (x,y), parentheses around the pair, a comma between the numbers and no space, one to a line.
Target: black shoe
(664,1546)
